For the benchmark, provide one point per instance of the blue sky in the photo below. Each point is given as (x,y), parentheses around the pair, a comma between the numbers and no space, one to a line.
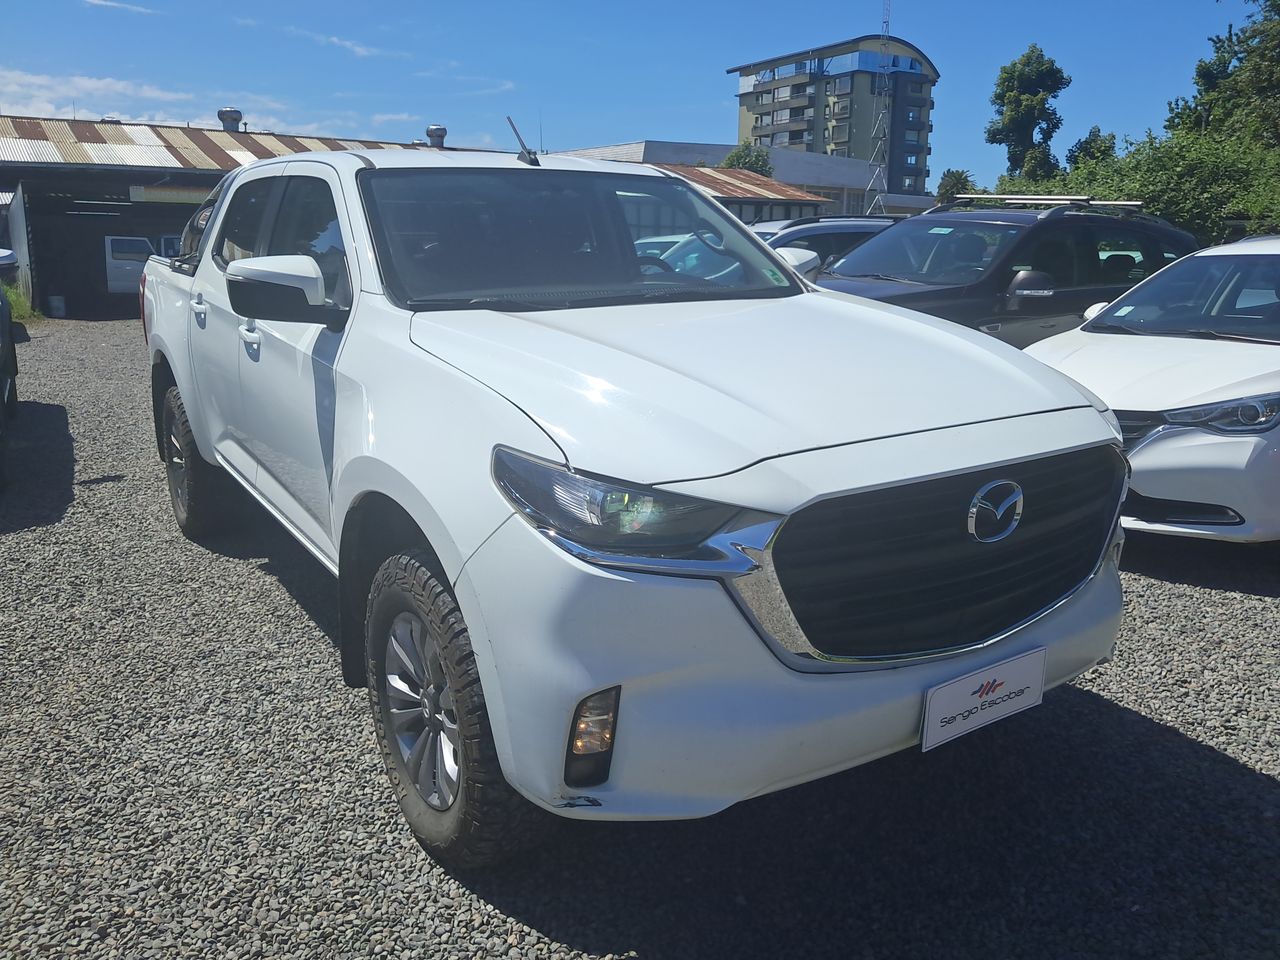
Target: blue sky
(589,72)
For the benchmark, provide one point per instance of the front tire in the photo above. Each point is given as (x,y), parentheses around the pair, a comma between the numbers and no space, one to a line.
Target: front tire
(432,726)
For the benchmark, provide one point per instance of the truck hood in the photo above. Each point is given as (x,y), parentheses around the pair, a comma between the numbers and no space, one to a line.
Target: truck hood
(663,392)
(1162,373)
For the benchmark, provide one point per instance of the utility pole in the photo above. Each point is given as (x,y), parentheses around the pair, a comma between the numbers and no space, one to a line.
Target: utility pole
(879,182)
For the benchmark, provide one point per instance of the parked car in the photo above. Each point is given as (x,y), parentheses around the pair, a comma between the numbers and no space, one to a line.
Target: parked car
(1018,274)
(830,237)
(614,540)
(8,365)
(1190,358)
(125,257)
(767,229)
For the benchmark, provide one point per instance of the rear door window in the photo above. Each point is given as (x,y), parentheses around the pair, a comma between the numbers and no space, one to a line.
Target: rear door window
(131,248)
(242,226)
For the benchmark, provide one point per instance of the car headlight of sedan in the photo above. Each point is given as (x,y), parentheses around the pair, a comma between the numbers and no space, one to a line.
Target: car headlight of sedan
(608,516)
(1247,415)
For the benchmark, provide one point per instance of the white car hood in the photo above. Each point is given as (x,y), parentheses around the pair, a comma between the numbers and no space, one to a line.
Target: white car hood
(1162,373)
(662,392)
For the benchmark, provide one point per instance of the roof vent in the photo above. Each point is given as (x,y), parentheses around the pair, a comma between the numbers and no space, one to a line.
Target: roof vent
(436,134)
(230,118)
(110,118)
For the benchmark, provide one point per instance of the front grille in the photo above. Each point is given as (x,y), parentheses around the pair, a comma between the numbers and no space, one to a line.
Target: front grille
(1137,424)
(896,573)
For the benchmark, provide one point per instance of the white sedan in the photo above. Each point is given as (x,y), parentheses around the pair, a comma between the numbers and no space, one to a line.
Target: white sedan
(1189,360)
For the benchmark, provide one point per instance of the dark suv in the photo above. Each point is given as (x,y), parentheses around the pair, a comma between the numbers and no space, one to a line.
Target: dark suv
(1018,274)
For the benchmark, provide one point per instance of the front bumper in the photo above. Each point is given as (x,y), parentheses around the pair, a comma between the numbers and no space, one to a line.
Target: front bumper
(1240,472)
(709,714)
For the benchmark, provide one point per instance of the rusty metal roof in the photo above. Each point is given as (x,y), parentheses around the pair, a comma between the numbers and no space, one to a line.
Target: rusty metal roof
(732,184)
(83,142)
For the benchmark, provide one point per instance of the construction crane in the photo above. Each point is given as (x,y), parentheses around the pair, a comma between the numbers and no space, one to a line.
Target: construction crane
(879,182)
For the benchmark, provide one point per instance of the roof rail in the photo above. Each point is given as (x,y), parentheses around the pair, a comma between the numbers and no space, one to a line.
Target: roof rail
(803,221)
(1058,205)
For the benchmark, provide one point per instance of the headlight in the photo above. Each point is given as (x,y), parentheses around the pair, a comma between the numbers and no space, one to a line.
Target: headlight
(607,515)
(1248,415)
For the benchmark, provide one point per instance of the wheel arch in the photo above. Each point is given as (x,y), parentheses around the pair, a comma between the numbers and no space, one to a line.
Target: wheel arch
(162,378)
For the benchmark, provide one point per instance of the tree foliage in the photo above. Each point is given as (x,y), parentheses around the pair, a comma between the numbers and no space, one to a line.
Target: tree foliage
(1094,145)
(747,157)
(953,182)
(1025,116)
(1237,88)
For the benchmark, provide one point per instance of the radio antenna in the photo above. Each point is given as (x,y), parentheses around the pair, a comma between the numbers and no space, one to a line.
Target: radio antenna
(526,155)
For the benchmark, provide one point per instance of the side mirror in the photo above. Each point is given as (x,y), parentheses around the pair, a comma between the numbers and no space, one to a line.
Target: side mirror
(8,258)
(1029,284)
(289,289)
(804,262)
(1094,310)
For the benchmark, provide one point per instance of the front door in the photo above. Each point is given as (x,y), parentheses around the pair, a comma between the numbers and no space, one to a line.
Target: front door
(1063,253)
(288,376)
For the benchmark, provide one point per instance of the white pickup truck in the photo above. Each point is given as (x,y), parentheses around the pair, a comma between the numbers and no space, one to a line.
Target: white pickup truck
(614,537)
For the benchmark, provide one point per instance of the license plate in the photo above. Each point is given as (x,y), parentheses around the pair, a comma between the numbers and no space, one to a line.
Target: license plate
(954,708)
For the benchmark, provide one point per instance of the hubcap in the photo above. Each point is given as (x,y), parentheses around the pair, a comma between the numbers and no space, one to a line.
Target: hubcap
(176,468)
(422,716)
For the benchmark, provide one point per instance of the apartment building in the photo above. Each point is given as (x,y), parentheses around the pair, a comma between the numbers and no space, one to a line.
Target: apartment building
(824,101)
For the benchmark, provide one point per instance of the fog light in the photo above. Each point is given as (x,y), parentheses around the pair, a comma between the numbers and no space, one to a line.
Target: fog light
(591,739)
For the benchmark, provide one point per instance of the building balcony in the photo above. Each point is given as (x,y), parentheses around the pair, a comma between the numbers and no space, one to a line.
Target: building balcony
(784,127)
(804,100)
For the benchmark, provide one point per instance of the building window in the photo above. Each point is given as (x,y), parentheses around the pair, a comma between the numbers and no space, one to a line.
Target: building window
(841,132)
(908,183)
(766,97)
(913,115)
(842,108)
(913,136)
(912,160)
(826,111)
(896,61)
(916,88)
(915,64)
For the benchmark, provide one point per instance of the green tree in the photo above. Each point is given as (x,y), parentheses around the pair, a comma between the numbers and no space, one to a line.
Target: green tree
(747,157)
(1237,88)
(1025,115)
(953,182)
(1093,146)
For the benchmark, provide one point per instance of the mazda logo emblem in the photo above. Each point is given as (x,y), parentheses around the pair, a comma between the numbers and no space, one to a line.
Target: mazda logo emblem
(995,511)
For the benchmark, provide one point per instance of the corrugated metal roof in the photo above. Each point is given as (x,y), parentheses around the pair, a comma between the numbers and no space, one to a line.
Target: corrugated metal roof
(5,198)
(50,141)
(732,184)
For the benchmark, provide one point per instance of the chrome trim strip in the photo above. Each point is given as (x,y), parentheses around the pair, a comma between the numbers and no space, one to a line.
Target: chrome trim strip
(745,567)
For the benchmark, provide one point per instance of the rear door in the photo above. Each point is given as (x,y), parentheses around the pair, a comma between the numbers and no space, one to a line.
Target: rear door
(287,377)
(217,336)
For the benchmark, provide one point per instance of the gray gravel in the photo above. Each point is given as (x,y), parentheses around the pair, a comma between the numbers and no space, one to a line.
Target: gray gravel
(182,772)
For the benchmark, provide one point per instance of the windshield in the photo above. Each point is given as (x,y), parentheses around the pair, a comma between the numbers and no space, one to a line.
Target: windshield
(924,250)
(541,239)
(1220,296)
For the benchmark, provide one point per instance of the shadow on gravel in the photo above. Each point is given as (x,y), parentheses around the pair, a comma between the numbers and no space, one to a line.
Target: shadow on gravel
(1080,829)
(255,535)
(20,334)
(40,465)
(1252,568)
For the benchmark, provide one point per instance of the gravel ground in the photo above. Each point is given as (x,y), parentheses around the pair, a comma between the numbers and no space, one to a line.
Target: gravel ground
(182,772)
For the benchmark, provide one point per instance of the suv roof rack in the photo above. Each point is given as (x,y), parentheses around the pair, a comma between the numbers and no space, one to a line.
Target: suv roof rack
(1057,205)
(803,221)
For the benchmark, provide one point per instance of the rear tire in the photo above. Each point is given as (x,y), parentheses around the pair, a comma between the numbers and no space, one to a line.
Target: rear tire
(198,489)
(432,726)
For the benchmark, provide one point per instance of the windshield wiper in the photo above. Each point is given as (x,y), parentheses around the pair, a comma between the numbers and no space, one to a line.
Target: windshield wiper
(485,303)
(1108,327)
(1203,333)
(877,276)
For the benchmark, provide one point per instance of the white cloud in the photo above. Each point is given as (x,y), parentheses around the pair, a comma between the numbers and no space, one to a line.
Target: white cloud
(46,95)
(380,118)
(354,46)
(244,21)
(116,5)
(486,87)
(465,85)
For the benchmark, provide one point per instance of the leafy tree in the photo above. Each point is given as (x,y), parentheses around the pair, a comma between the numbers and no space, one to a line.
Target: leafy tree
(747,157)
(953,182)
(1094,145)
(1040,164)
(1237,88)
(1024,91)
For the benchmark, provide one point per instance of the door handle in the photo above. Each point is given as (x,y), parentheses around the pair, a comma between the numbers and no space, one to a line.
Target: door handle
(251,337)
(198,308)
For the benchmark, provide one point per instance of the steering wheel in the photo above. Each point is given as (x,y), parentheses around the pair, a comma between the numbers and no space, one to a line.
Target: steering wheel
(656,262)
